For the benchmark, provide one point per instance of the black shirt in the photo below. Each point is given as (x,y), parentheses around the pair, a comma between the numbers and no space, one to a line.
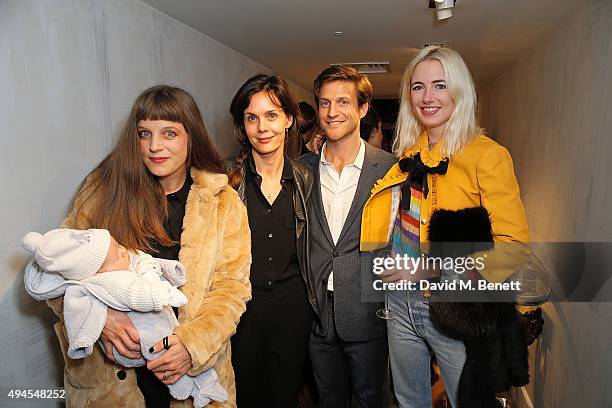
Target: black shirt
(273,241)
(174,223)
(156,394)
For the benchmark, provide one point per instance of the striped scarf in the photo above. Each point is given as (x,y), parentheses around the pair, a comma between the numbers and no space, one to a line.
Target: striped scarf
(406,240)
(406,228)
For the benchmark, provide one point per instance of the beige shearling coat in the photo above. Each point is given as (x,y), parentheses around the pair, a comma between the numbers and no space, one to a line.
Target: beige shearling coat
(216,252)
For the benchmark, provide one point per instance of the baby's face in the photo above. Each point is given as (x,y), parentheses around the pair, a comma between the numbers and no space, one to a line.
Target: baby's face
(117,258)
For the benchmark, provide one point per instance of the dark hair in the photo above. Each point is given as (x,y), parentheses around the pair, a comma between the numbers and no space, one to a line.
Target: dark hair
(164,102)
(369,122)
(309,116)
(120,194)
(278,91)
(345,73)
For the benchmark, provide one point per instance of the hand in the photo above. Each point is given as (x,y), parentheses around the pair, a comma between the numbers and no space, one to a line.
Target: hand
(395,275)
(173,364)
(317,143)
(407,272)
(533,324)
(119,332)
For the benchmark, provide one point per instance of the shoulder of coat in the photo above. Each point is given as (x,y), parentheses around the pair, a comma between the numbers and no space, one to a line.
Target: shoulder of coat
(209,183)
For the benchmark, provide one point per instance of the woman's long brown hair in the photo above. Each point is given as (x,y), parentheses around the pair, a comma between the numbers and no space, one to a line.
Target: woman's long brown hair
(120,194)
(279,93)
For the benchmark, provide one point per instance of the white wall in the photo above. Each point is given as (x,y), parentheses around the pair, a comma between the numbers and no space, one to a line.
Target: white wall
(69,72)
(553,111)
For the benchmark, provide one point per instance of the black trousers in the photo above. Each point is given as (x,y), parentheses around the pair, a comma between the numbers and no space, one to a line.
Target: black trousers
(270,346)
(346,371)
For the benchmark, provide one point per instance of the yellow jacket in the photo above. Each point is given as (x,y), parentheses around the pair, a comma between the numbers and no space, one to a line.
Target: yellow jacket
(480,175)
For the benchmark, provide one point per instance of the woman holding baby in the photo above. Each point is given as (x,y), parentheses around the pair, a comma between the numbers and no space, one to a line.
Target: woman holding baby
(162,190)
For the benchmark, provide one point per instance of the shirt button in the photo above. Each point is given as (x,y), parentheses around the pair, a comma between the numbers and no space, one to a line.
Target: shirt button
(269,235)
(423,221)
(269,210)
(269,283)
(270,258)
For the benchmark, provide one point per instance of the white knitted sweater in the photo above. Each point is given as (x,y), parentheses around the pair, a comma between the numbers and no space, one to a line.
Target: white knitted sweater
(140,288)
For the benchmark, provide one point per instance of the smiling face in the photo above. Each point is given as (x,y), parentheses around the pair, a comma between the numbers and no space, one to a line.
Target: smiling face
(164,147)
(339,110)
(265,124)
(430,99)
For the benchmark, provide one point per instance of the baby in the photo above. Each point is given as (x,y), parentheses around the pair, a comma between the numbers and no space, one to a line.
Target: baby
(123,280)
(93,271)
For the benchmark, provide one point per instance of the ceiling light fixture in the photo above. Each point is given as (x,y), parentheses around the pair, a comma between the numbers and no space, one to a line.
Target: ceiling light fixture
(444,8)
(369,67)
(338,33)
(437,44)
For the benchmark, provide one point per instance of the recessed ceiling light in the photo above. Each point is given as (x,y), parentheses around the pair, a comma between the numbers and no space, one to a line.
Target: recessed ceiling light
(338,33)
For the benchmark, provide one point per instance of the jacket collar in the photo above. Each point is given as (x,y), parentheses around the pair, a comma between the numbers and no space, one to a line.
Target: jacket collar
(207,182)
(430,158)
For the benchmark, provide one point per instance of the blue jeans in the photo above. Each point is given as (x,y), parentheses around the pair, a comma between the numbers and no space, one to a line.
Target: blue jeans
(412,338)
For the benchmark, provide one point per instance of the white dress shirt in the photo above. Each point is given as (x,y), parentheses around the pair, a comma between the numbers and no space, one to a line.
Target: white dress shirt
(337,193)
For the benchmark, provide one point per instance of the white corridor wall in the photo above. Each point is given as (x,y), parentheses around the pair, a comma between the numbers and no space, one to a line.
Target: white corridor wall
(553,112)
(69,72)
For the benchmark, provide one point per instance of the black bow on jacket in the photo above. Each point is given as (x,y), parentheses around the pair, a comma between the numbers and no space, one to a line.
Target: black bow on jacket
(418,174)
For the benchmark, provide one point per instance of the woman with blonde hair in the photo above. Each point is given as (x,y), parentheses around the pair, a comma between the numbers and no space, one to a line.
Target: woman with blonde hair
(162,190)
(447,167)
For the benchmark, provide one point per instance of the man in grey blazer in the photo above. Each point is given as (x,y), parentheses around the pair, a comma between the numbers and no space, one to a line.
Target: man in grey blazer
(348,345)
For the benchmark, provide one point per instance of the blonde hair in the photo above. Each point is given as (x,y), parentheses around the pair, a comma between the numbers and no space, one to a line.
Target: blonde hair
(461,127)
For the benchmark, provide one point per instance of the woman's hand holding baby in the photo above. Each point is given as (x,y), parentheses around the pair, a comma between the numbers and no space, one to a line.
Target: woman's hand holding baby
(173,364)
(119,332)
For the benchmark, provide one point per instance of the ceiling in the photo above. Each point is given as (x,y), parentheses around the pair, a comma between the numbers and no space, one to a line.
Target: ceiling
(296,37)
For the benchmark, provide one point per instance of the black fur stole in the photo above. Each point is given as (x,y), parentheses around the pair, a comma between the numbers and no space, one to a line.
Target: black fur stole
(494,338)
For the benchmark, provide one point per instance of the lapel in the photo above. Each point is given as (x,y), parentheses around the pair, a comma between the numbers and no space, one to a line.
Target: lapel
(318,204)
(199,226)
(367,178)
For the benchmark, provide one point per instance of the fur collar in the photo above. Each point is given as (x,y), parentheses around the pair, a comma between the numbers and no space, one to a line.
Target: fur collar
(208,183)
